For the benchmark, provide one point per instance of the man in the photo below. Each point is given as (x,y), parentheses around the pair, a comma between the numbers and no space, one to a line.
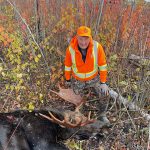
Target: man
(85,65)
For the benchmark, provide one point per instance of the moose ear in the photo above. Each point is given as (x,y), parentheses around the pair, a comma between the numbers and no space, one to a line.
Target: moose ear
(69,95)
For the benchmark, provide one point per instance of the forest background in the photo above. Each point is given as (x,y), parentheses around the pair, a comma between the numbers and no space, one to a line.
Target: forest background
(34,35)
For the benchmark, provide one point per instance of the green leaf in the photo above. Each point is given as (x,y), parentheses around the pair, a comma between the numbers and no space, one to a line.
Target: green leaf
(40,96)
(19,75)
(12,87)
(31,107)
(137,69)
(73,145)
(135,87)
(7,86)
(129,98)
(122,83)
(113,57)
(36,59)
(39,55)
(3,74)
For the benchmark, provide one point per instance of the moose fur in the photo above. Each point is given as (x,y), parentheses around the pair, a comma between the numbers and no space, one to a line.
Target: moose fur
(23,130)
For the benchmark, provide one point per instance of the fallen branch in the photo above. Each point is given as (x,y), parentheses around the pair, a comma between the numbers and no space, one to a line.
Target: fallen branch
(128,104)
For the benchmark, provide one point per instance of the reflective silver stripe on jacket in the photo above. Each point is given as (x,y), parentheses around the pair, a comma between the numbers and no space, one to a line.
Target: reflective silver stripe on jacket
(67,68)
(103,67)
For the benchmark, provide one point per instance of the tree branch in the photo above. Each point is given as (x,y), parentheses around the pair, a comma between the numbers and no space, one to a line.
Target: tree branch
(130,105)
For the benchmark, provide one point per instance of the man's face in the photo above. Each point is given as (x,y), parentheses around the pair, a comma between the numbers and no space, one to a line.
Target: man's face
(83,41)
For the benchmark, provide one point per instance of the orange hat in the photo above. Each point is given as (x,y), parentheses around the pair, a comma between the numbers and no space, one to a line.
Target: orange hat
(84,31)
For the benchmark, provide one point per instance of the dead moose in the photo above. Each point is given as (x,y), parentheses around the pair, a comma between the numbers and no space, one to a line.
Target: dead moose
(43,129)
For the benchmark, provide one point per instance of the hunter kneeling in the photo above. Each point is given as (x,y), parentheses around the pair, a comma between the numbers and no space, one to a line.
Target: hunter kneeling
(85,66)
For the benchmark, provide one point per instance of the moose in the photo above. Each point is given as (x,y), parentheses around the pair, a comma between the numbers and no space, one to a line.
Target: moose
(45,129)
(41,130)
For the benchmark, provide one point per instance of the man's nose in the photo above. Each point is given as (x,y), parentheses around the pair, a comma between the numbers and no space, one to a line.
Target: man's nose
(83,42)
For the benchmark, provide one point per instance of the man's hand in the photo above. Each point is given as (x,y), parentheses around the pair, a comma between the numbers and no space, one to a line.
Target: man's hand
(68,83)
(104,89)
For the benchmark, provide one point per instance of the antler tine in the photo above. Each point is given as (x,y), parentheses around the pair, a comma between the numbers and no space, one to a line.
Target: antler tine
(65,122)
(89,115)
(55,92)
(78,107)
(76,116)
(53,119)
(56,120)
(71,125)
(47,117)
(88,120)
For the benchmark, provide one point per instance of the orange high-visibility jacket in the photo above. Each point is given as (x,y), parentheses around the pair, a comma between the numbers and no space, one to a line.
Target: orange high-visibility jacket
(95,62)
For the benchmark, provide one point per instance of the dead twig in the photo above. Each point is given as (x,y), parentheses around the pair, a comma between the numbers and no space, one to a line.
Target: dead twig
(13,133)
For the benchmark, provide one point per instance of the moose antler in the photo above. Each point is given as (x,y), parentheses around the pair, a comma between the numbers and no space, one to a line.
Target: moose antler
(72,119)
(69,95)
(64,123)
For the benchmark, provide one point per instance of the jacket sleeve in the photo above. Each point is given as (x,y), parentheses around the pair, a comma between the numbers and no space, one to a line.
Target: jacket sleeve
(102,64)
(68,64)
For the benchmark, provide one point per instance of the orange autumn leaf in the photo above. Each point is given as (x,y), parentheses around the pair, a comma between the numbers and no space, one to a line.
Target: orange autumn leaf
(9,40)
(5,43)
(5,35)
(1,29)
